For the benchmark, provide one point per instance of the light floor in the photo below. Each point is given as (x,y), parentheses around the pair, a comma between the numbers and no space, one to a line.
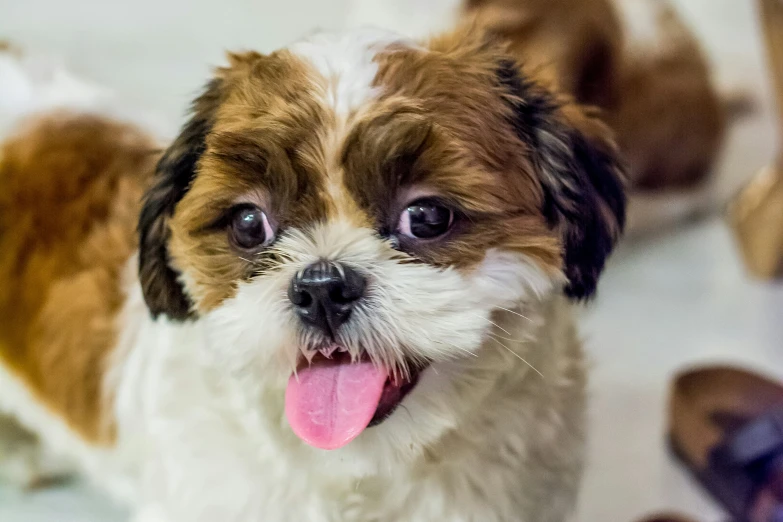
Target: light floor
(666,301)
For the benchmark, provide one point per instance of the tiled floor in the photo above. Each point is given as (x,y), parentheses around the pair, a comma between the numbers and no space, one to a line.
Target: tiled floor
(665,302)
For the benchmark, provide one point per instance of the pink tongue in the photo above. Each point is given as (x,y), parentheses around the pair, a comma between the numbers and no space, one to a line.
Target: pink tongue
(330,403)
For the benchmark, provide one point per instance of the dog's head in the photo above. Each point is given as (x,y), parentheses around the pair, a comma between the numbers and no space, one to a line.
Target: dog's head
(359,207)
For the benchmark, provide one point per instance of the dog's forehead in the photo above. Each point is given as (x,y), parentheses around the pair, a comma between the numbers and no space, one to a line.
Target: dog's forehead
(344,74)
(315,103)
(285,120)
(347,64)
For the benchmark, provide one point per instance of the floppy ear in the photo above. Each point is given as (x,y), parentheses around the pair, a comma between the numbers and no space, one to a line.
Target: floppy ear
(580,172)
(176,169)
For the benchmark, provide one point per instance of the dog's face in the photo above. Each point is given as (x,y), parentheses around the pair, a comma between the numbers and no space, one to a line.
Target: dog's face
(355,209)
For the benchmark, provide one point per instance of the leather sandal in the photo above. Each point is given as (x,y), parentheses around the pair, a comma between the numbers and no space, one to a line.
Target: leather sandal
(726,428)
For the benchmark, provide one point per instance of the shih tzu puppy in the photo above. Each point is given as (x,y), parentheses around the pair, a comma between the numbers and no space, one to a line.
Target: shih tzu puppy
(343,293)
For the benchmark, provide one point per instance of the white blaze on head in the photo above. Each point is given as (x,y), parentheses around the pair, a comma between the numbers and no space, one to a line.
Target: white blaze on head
(347,63)
(346,68)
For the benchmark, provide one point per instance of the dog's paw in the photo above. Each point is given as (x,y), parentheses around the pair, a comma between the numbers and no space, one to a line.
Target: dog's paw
(24,463)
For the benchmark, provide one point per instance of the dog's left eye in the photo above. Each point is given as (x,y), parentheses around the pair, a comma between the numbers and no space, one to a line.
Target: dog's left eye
(250,228)
(425,219)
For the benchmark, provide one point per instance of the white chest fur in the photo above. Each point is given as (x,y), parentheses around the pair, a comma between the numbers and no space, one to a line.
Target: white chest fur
(212,443)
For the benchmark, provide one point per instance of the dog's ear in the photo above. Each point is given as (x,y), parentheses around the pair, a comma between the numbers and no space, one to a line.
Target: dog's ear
(163,292)
(580,172)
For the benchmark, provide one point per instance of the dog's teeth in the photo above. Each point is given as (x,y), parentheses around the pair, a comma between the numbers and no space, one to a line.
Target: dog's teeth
(327,351)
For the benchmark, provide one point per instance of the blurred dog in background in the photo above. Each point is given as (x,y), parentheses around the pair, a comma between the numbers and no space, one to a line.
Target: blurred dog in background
(639,63)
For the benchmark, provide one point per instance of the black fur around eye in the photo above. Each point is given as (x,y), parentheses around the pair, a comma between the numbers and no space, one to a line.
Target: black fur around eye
(425,219)
(249,228)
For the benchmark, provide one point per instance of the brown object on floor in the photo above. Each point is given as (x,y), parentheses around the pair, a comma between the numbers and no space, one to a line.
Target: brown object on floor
(726,428)
(756,216)
(667,115)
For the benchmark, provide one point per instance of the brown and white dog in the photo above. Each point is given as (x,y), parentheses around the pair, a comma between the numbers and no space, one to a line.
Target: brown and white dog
(350,298)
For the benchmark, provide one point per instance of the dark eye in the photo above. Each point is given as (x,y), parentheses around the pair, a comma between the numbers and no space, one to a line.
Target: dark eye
(250,228)
(425,219)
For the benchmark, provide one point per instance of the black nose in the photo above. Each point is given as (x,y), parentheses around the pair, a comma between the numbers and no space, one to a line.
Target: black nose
(324,294)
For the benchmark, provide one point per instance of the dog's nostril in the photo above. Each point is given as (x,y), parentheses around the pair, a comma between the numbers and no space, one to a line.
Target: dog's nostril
(335,295)
(300,298)
(340,295)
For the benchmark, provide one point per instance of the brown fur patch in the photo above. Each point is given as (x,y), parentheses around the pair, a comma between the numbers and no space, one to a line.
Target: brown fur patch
(666,113)
(443,124)
(266,148)
(574,45)
(70,188)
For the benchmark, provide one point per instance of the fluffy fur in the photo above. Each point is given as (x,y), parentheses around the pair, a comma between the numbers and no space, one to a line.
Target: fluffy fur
(159,367)
(576,44)
(641,65)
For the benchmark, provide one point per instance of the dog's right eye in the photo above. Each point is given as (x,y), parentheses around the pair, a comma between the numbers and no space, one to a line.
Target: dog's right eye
(425,219)
(250,228)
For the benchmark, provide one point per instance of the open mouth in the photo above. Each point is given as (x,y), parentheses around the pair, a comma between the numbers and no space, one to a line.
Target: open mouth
(331,400)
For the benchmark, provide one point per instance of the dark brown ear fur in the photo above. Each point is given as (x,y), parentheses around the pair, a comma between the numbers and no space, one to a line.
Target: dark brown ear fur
(163,292)
(580,172)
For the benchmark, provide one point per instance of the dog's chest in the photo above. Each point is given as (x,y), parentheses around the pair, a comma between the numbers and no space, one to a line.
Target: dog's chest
(216,447)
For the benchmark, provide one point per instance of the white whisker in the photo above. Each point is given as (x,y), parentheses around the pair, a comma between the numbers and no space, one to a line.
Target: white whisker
(424,335)
(493,323)
(515,354)
(465,350)
(515,313)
